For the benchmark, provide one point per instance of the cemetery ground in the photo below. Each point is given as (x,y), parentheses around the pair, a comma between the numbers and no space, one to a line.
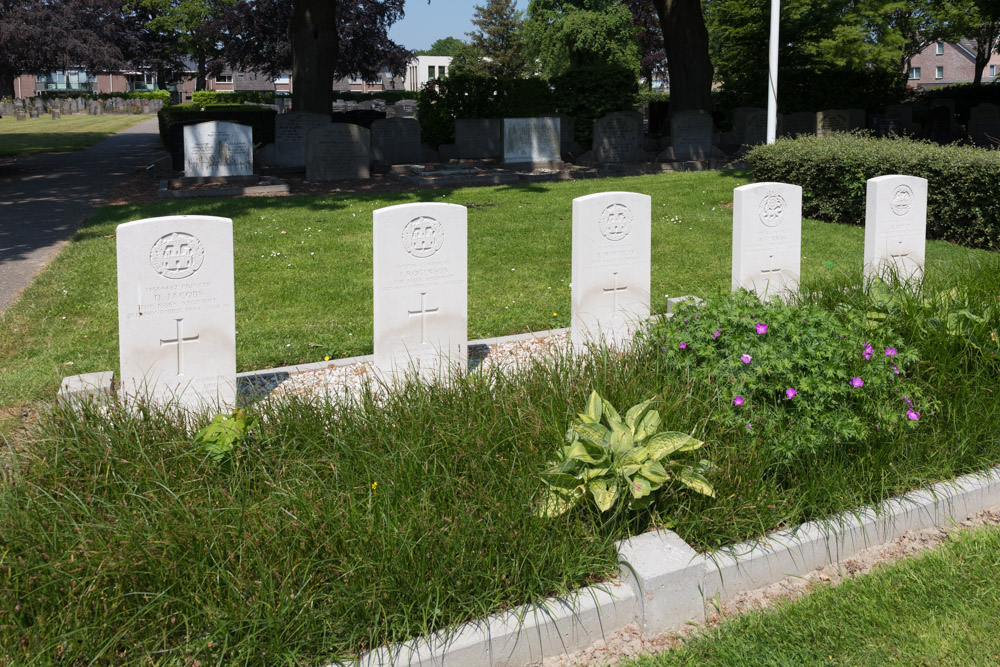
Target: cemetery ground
(69,133)
(332,530)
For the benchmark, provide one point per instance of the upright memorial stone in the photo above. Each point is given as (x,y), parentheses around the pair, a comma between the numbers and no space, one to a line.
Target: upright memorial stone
(218,148)
(531,140)
(691,135)
(337,152)
(767,238)
(618,137)
(839,120)
(984,124)
(611,267)
(895,228)
(291,131)
(803,122)
(395,141)
(176,314)
(479,138)
(420,271)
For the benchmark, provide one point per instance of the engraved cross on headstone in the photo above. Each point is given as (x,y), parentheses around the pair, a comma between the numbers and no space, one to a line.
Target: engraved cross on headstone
(423,312)
(613,290)
(768,273)
(179,342)
(899,256)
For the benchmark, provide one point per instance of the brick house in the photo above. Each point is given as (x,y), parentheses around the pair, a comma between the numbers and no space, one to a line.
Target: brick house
(946,63)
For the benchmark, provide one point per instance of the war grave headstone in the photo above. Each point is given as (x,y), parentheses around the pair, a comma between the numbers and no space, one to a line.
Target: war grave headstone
(611,267)
(839,120)
(618,137)
(531,140)
(396,141)
(217,148)
(338,151)
(767,239)
(895,227)
(420,276)
(291,131)
(802,122)
(176,310)
(984,124)
(479,138)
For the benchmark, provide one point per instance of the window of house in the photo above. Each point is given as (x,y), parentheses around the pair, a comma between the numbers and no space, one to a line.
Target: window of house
(442,71)
(914,72)
(430,71)
(940,48)
(224,78)
(939,72)
(282,78)
(993,70)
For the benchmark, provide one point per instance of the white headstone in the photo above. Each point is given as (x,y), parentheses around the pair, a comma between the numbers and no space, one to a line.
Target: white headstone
(420,271)
(895,227)
(611,267)
(531,139)
(217,148)
(767,238)
(291,131)
(176,313)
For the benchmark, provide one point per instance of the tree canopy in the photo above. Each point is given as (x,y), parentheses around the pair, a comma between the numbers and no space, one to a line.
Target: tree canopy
(496,48)
(565,34)
(446,46)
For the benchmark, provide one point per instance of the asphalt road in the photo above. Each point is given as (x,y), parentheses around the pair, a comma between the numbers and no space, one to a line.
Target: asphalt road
(44,198)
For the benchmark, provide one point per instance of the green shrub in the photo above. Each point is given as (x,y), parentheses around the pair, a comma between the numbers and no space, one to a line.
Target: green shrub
(964,95)
(134,95)
(466,95)
(390,96)
(587,93)
(807,378)
(962,206)
(206,97)
(260,119)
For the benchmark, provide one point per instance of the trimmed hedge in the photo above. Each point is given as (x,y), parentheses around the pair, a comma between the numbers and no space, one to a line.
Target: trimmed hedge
(135,95)
(260,119)
(206,97)
(962,202)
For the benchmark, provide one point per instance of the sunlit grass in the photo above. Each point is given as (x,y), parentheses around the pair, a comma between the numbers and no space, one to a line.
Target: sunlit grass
(69,133)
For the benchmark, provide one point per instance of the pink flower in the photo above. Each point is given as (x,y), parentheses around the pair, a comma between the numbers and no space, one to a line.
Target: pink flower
(890,352)
(684,345)
(857,382)
(745,358)
(868,351)
(895,370)
(718,332)
(749,428)
(908,402)
(738,401)
(913,414)
(790,393)
(761,328)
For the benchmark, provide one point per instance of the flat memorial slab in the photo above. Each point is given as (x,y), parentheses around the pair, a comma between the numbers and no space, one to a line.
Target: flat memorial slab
(895,228)
(767,239)
(176,312)
(420,276)
(611,267)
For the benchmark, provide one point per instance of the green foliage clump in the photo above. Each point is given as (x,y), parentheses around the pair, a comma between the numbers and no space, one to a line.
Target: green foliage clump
(623,461)
(224,432)
(261,119)
(466,95)
(806,378)
(832,171)
(134,95)
(589,92)
(204,97)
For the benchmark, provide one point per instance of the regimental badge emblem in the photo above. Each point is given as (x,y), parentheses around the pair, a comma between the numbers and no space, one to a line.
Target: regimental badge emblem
(616,222)
(772,209)
(422,237)
(902,200)
(177,255)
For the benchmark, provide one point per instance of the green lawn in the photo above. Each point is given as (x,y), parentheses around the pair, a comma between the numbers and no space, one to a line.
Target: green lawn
(937,609)
(70,133)
(303,270)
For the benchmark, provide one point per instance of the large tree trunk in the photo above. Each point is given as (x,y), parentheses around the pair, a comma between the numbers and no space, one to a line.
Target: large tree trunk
(315,48)
(685,38)
(201,82)
(7,85)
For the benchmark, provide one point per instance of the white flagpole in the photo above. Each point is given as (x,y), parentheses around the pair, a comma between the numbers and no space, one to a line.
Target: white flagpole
(772,75)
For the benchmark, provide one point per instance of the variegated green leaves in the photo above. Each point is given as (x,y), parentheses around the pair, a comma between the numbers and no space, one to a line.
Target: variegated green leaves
(619,460)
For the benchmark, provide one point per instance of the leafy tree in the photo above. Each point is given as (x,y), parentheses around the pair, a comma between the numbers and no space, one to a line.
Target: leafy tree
(191,28)
(569,34)
(497,48)
(649,36)
(981,22)
(446,46)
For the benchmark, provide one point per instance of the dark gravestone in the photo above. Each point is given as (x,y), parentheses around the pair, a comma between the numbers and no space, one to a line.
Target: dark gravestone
(659,113)
(618,137)
(291,131)
(940,125)
(360,117)
(337,152)
(395,141)
(479,138)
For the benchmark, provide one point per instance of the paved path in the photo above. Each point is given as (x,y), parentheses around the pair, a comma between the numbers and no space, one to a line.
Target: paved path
(44,198)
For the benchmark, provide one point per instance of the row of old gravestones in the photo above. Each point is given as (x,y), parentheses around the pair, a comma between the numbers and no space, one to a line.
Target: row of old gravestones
(176,314)
(23,109)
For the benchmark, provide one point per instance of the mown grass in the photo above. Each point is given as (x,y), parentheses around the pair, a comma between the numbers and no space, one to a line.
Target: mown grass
(304,283)
(69,133)
(937,609)
(332,529)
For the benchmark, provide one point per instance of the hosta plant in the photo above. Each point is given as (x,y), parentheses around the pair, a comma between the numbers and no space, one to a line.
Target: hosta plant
(610,461)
